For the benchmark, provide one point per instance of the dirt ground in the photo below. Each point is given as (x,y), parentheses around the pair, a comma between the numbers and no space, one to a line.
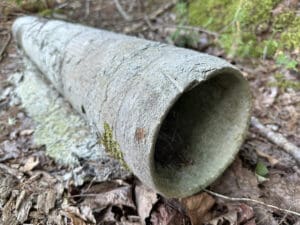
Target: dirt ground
(36,190)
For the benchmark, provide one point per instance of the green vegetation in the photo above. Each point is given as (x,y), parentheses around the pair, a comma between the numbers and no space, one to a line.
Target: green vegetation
(261,169)
(32,5)
(42,7)
(182,37)
(283,83)
(248,28)
(111,146)
(284,60)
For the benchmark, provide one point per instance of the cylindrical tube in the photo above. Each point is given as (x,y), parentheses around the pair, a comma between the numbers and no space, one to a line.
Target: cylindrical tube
(176,116)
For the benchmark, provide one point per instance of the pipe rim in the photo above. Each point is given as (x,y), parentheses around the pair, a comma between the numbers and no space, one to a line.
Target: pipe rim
(164,188)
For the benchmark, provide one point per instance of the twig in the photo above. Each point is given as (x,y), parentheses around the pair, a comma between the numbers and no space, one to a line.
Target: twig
(122,11)
(87,8)
(83,195)
(283,218)
(251,200)
(198,29)
(277,139)
(148,22)
(162,10)
(153,16)
(11,171)
(3,49)
(90,185)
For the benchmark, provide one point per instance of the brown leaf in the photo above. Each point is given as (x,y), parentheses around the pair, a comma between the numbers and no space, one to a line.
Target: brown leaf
(198,207)
(7,183)
(87,214)
(8,214)
(237,214)
(54,217)
(169,213)
(30,164)
(229,218)
(24,207)
(245,212)
(84,213)
(145,199)
(26,132)
(251,222)
(107,216)
(264,216)
(237,181)
(74,219)
(8,150)
(120,196)
(50,200)
(46,201)
(271,159)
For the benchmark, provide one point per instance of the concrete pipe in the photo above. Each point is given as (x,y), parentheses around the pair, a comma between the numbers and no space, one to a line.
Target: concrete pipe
(175,116)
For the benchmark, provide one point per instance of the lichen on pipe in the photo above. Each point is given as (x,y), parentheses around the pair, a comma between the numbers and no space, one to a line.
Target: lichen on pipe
(175,116)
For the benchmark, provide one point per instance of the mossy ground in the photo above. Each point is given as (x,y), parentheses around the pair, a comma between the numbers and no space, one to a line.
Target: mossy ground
(248,28)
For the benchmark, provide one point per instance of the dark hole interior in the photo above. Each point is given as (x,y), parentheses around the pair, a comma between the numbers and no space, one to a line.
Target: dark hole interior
(201,134)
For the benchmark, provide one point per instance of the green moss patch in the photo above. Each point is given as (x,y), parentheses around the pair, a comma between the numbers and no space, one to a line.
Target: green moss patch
(111,145)
(248,28)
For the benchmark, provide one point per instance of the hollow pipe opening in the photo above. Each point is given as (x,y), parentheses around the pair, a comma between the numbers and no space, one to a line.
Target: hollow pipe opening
(201,134)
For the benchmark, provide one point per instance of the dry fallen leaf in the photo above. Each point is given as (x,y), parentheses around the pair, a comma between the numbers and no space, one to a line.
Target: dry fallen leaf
(169,212)
(24,203)
(7,183)
(198,206)
(145,199)
(8,150)
(119,196)
(74,219)
(237,214)
(30,164)
(84,213)
(237,181)
(271,159)
(26,132)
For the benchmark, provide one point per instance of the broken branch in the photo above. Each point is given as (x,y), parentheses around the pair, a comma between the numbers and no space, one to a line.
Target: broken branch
(251,200)
(122,11)
(277,139)
(3,49)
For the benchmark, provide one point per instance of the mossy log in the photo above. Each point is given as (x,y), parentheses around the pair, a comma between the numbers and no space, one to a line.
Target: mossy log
(175,116)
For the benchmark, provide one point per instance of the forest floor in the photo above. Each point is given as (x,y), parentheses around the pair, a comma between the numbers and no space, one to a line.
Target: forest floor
(36,190)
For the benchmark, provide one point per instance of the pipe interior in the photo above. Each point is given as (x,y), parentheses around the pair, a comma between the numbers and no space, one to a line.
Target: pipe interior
(201,134)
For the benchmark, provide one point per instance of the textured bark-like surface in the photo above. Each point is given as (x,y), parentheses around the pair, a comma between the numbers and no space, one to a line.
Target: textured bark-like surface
(178,116)
(65,134)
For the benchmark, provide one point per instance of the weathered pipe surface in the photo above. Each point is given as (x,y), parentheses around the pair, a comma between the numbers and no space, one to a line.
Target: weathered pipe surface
(178,116)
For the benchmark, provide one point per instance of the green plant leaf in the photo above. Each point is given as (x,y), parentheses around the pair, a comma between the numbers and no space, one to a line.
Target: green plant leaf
(286,61)
(261,169)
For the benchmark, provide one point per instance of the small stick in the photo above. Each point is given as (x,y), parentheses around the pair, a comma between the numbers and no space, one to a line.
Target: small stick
(162,10)
(148,22)
(2,50)
(121,11)
(251,200)
(153,16)
(198,29)
(87,8)
(277,139)
(11,171)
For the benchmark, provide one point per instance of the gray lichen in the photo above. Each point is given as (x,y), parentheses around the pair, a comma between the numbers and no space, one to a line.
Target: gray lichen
(64,133)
